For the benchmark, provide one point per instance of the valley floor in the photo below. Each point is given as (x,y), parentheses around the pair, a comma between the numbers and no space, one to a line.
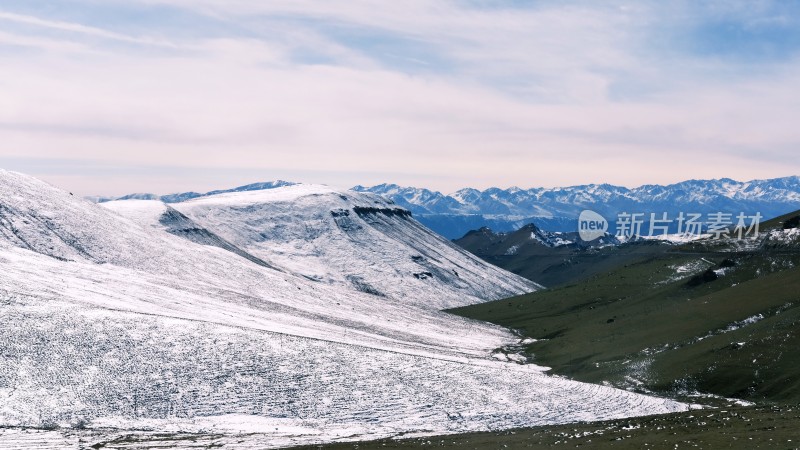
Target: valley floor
(739,427)
(750,427)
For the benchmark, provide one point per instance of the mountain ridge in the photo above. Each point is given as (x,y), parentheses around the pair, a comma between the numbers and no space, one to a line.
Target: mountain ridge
(184,196)
(554,209)
(557,209)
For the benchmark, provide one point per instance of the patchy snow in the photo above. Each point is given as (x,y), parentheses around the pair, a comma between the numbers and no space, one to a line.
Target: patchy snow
(729,328)
(551,239)
(789,236)
(559,241)
(686,270)
(732,401)
(722,271)
(743,323)
(677,238)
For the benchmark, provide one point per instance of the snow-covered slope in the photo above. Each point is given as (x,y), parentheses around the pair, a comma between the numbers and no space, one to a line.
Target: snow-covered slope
(359,241)
(139,316)
(183,196)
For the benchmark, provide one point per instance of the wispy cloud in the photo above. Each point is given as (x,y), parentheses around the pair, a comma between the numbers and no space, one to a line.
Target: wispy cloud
(455,93)
(80,29)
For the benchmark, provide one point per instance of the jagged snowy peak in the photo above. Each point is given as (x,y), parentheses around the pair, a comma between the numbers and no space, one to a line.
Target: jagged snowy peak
(462,196)
(355,240)
(421,201)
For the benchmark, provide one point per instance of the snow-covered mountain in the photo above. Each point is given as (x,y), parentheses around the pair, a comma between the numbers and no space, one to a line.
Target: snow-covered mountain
(557,209)
(354,240)
(298,314)
(183,196)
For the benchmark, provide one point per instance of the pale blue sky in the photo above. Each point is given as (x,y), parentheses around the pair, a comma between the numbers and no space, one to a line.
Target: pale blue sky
(112,96)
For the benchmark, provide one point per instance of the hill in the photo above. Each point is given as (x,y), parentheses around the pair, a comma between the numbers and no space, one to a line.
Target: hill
(556,258)
(711,318)
(354,240)
(138,317)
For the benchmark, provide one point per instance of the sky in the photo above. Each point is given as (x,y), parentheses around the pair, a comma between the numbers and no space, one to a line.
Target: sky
(111,97)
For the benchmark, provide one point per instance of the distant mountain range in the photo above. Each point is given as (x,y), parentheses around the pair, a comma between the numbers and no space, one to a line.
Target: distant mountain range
(557,209)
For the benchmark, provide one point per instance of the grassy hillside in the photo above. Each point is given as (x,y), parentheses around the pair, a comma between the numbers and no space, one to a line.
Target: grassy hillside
(715,318)
(553,266)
